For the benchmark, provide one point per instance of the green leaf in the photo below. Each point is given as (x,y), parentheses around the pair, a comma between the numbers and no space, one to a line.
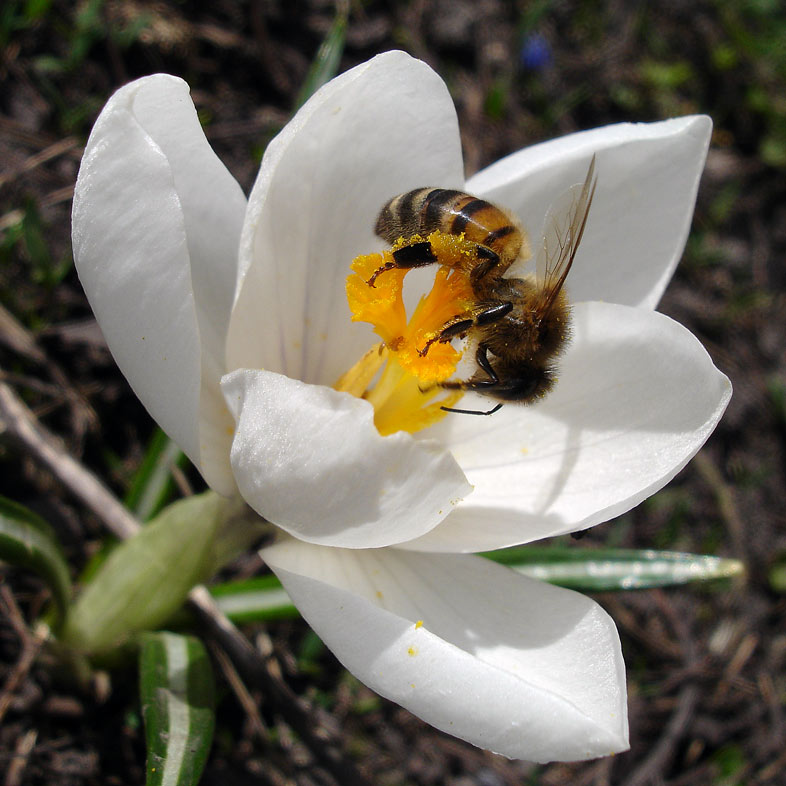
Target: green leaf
(36,9)
(666,76)
(27,541)
(34,235)
(146,578)
(259,599)
(776,575)
(263,599)
(604,570)
(178,698)
(326,62)
(152,484)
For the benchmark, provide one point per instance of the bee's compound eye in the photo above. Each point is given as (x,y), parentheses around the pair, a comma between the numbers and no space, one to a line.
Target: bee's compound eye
(529,384)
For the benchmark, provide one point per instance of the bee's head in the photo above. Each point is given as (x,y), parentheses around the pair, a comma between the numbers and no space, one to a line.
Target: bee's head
(523,383)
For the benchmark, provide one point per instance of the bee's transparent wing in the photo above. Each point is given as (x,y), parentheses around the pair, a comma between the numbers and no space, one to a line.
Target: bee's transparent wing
(562,232)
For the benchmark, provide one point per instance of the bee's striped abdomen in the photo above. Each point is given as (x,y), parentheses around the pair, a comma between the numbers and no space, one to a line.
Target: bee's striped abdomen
(425,210)
(417,212)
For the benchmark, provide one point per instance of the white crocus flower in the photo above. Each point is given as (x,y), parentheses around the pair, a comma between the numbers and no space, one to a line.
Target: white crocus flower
(230,321)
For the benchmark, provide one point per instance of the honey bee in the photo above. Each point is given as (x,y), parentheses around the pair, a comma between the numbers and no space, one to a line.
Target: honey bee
(520,325)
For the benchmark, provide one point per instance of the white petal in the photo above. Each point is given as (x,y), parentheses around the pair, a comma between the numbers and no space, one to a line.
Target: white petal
(507,663)
(131,253)
(648,175)
(310,460)
(214,207)
(382,128)
(156,225)
(636,398)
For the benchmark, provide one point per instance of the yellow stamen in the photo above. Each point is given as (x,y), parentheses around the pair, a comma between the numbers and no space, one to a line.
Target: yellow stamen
(447,298)
(405,397)
(382,304)
(401,405)
(360,376)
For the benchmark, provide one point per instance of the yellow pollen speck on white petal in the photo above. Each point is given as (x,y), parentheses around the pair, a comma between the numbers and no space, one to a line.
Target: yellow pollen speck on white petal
(524,451)
(412,651)
(379,594)
(419,624)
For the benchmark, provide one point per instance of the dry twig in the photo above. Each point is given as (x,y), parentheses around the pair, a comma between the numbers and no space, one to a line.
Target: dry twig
(312,724)
(653,766)
(240,690)
(20,423)
(24,747)
(31,644)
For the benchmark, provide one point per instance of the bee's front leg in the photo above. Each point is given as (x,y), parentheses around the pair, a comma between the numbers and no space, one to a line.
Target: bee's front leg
(417,254)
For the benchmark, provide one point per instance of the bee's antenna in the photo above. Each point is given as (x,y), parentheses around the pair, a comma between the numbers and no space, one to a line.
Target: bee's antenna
(473,411)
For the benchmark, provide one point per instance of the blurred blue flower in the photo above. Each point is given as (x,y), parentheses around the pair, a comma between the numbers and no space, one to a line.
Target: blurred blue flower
(535,52)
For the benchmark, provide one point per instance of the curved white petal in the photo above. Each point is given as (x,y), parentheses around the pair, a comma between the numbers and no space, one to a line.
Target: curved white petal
(156,224)
(384,127)
(636,398)
(507,663)
(648,175)
(131,253)
(310,460)
(214,207)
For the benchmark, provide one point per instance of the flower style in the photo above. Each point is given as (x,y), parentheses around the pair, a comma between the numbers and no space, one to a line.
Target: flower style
(229,319)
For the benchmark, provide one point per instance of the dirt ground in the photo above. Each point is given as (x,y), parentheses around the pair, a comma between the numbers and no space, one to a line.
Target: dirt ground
(706,672)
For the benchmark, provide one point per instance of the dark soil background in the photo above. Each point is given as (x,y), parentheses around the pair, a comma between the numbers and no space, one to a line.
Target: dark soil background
(705,665)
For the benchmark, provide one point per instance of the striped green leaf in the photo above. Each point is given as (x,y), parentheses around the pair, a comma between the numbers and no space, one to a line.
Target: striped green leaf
(605,570)
(178,707)
(27,541)
(258,599)
(152,485)
(590,570)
